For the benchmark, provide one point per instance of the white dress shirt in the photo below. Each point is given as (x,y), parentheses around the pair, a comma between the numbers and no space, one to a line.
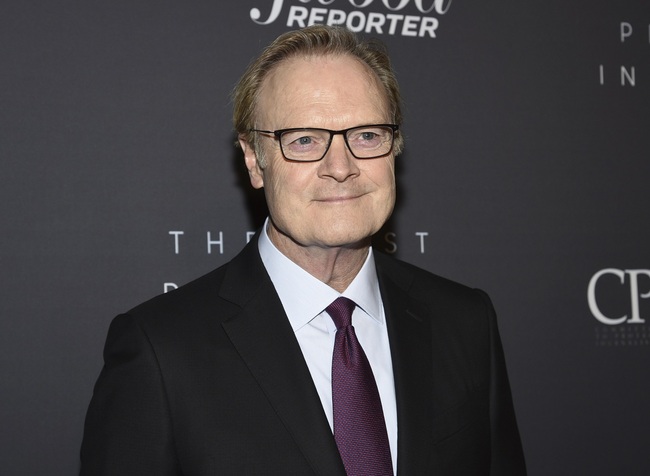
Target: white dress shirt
(305,298)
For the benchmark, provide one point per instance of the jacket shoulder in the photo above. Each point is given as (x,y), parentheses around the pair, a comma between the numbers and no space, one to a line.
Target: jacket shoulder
(419,281)
(218,293)
(187,297)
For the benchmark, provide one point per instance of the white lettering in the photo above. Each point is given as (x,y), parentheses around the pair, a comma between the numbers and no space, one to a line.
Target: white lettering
(591,296)
(439,5)
(275,13)
(420,6)
(421,234)
(336,17)
(401,5)
(634,293)
(359,21)
(360,24)
(169,287)
(625,75)
(626,31)
(364,4)
(429,25)
(176,234)
(317,15)
(375,22)
(215,242)
(217,239)
(393,22)
(602,75)
(409,28)
(297,16)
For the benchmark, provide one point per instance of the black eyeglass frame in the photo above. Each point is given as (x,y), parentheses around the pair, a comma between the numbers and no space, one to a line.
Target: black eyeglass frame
(278,134)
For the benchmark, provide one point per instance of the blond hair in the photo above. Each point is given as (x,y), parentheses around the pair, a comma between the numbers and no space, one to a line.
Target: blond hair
(319,40)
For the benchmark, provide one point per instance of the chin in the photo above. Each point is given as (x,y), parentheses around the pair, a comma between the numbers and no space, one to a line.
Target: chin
(347,237)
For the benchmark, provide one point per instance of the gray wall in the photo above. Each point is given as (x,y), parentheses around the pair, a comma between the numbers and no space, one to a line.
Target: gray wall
(525,173)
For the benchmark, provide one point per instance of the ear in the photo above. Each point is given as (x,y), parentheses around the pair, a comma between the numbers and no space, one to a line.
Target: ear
(255,172)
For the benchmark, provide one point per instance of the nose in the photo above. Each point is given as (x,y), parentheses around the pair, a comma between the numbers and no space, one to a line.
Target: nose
(338,163)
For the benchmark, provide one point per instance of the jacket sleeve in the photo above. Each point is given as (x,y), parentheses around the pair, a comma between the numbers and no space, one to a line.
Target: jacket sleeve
(506,452)
(128,427)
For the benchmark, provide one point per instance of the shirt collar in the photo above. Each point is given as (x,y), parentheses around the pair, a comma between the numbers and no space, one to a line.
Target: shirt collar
(304,297)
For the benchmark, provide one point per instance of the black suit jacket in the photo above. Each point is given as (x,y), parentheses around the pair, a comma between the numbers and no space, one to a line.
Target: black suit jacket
(210,380)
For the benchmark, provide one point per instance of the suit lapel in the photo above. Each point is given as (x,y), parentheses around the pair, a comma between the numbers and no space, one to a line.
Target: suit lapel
(262,335)
(265,341)
(410,341)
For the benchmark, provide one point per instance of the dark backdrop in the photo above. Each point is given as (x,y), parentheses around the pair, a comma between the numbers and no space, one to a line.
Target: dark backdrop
(525,173)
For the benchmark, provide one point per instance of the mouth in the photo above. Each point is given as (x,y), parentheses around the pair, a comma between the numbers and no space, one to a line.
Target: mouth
(338,199)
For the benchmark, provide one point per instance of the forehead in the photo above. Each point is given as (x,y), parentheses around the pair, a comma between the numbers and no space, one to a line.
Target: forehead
(308,90)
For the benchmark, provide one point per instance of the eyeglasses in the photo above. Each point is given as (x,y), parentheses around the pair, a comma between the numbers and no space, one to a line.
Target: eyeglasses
(302,144)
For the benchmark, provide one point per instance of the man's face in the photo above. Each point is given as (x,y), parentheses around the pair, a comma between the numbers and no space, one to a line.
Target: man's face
(340,200)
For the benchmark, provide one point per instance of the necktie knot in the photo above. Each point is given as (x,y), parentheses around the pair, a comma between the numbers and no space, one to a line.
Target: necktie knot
(341,312)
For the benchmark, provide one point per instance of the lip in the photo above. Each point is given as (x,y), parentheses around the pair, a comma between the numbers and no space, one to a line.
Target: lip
(338,199)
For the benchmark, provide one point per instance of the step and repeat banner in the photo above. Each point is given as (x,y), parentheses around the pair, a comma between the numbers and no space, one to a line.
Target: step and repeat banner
(526,173)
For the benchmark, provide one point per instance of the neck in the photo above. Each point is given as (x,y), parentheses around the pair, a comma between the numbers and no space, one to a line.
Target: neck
(335,266)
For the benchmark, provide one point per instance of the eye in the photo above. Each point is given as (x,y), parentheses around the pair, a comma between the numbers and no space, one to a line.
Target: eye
(368,135)
(304,140)
(298,140)
(304,137)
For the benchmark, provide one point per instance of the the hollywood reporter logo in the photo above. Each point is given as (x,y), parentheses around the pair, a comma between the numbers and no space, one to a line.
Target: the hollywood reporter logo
(618,278)
(365,17)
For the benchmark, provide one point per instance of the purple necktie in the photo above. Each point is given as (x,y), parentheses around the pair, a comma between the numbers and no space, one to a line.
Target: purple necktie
(359,427)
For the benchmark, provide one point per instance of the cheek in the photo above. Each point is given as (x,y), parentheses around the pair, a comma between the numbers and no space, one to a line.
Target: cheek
(383,176)
(386,184)
(285,185)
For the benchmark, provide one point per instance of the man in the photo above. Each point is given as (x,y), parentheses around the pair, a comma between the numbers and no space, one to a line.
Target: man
(255,369)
